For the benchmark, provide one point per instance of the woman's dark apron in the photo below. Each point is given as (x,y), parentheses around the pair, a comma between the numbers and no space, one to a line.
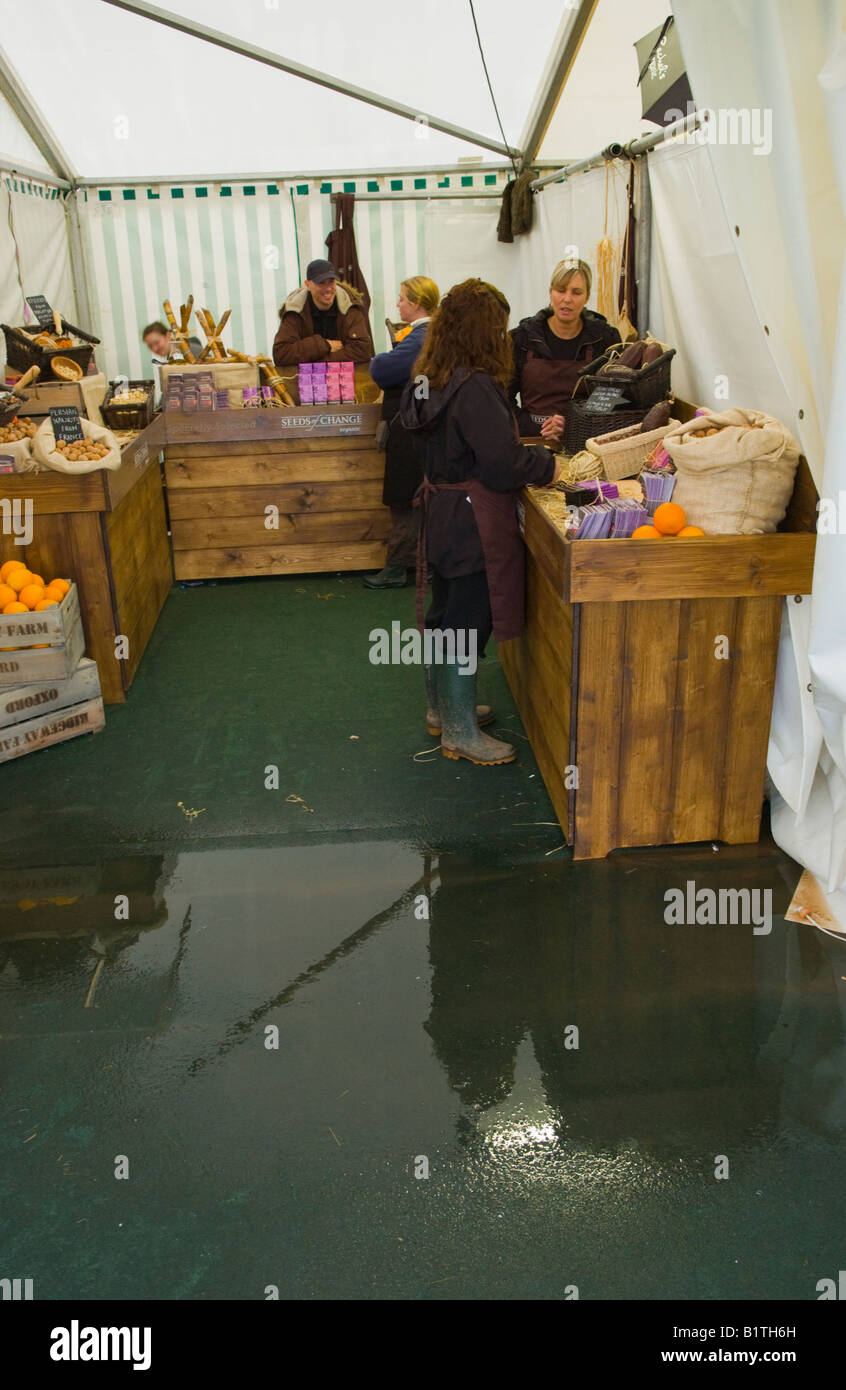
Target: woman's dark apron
(495,514)
(546,387)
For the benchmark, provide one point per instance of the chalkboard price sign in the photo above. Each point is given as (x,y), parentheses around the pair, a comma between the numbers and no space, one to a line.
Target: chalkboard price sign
(605,399)
(66,422)
(39,306)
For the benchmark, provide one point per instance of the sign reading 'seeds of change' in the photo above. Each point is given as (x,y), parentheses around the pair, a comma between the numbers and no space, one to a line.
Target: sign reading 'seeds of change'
(39,306)
(66,422)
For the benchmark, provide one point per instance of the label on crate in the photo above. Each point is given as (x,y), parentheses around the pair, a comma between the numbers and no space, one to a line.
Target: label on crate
(142,455)
(66,422)
(39,306)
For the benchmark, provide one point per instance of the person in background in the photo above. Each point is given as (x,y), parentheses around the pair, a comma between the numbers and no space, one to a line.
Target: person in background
(474,467)
(550,348)
(323,321)
(162,345)
(418,300)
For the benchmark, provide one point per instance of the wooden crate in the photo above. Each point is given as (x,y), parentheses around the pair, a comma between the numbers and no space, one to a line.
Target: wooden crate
(644,736)
(107,530)
(42,732)
(41,646)
(23,702)
(327,492)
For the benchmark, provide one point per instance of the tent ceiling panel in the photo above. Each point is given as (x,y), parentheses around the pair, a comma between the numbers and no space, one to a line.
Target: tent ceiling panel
(601,101)
(158,102)
(16,146)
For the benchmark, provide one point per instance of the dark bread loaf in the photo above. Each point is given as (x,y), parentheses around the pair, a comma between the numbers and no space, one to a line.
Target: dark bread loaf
(657,418)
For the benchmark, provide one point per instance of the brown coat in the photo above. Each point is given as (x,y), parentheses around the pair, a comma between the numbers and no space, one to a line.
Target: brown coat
(296,340)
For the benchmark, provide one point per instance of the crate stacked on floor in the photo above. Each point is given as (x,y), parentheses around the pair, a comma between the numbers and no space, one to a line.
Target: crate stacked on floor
(49,691)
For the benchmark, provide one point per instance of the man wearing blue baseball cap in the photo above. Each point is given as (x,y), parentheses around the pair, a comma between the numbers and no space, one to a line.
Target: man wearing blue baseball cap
(324,321)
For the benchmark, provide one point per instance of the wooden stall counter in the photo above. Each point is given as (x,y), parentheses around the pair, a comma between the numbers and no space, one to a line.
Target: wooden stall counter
(107,531)
(292,490)
(645,676)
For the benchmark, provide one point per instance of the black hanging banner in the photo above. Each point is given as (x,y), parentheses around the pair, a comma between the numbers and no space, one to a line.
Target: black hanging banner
(39,306)
(66,422)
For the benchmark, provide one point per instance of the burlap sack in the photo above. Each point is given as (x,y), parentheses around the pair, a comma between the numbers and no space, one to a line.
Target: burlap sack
(44,449)
(21,451)
(738,481)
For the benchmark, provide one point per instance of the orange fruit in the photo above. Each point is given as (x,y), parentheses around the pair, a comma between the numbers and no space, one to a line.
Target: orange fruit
(61,584)
(8,566)
(46,603)
(19,579)
(51,592)
(669,518)
(36,579)
(691,531)
(7,595)
(31,594)
(645,533)
(16,608)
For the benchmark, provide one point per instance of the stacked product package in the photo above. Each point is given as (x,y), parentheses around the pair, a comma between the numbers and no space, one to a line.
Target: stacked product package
(194,392)
(326,383)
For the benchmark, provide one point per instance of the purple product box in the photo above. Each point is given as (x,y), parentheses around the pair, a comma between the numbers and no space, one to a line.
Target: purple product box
(221,400)
(347,394)
(306,396)
(318,369)
(320,397)
(305,368)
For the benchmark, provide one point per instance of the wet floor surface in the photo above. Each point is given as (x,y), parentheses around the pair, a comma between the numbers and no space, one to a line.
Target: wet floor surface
(432,1059)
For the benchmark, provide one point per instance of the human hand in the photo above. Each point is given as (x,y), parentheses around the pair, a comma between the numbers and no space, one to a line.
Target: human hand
(553,428)
(335,344)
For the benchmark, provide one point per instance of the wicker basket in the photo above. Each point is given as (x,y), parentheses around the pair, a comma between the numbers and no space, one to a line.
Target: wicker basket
(8,412)
(645,387)
(128,417)
(582,424)
(22,352)
(623,453)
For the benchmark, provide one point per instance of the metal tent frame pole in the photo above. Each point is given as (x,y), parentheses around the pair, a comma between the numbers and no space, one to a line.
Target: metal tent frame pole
(294,69)
(565,50)
(616,151)
(33,122)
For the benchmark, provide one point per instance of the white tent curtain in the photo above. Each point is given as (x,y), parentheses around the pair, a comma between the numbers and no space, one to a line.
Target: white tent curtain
(34,249)
(790,219)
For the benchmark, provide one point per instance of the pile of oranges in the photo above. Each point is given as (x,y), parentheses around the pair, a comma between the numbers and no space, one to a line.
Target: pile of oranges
(669,520)
(21,591)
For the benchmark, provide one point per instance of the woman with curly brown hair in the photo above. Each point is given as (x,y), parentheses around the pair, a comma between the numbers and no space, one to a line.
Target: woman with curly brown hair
(474,467)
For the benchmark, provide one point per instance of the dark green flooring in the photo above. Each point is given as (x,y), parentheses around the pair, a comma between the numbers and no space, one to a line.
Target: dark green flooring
(403,1041)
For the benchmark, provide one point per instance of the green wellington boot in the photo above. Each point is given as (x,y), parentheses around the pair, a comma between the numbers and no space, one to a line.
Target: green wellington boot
(461,736)
(484,713)
(391,577)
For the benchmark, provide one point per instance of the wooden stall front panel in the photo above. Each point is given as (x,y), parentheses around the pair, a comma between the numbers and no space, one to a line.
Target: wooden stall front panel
(327,492)
(649,669)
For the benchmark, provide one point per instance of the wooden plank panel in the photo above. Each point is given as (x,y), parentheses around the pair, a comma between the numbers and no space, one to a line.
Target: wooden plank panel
(710,567)
(57,492)
(650,668)
(201,533)
(139,615)
(51,551)
(513,656)
(137,533)
(297,498)
(281,559)
(746,736)
(702,706)
(88,565)
(801,512)
(262,471)
(344,421)
(271,448)
(600,660)
(546,543)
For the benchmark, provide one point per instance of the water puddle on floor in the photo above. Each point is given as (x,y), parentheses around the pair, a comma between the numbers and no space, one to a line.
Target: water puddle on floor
(363,1070)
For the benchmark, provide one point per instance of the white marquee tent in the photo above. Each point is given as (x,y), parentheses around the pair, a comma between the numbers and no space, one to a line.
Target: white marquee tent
(149,152)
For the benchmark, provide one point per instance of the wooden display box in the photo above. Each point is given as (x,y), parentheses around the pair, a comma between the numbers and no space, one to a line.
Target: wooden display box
(44,730)
(324,477)
(107,531)
(644,733)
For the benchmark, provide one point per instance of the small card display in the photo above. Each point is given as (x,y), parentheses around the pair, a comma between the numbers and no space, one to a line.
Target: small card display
(39,306)
(66,422)
(605,399)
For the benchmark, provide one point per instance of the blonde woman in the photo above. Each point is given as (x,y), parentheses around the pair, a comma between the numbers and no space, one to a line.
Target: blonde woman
(550,348)
(418,300)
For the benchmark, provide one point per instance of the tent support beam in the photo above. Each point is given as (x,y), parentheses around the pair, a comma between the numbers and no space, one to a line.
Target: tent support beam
(431,197)
(571,32)
(303,176)
(10,165)
(30,118)
(79,273)
(322,79)
(629,151)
